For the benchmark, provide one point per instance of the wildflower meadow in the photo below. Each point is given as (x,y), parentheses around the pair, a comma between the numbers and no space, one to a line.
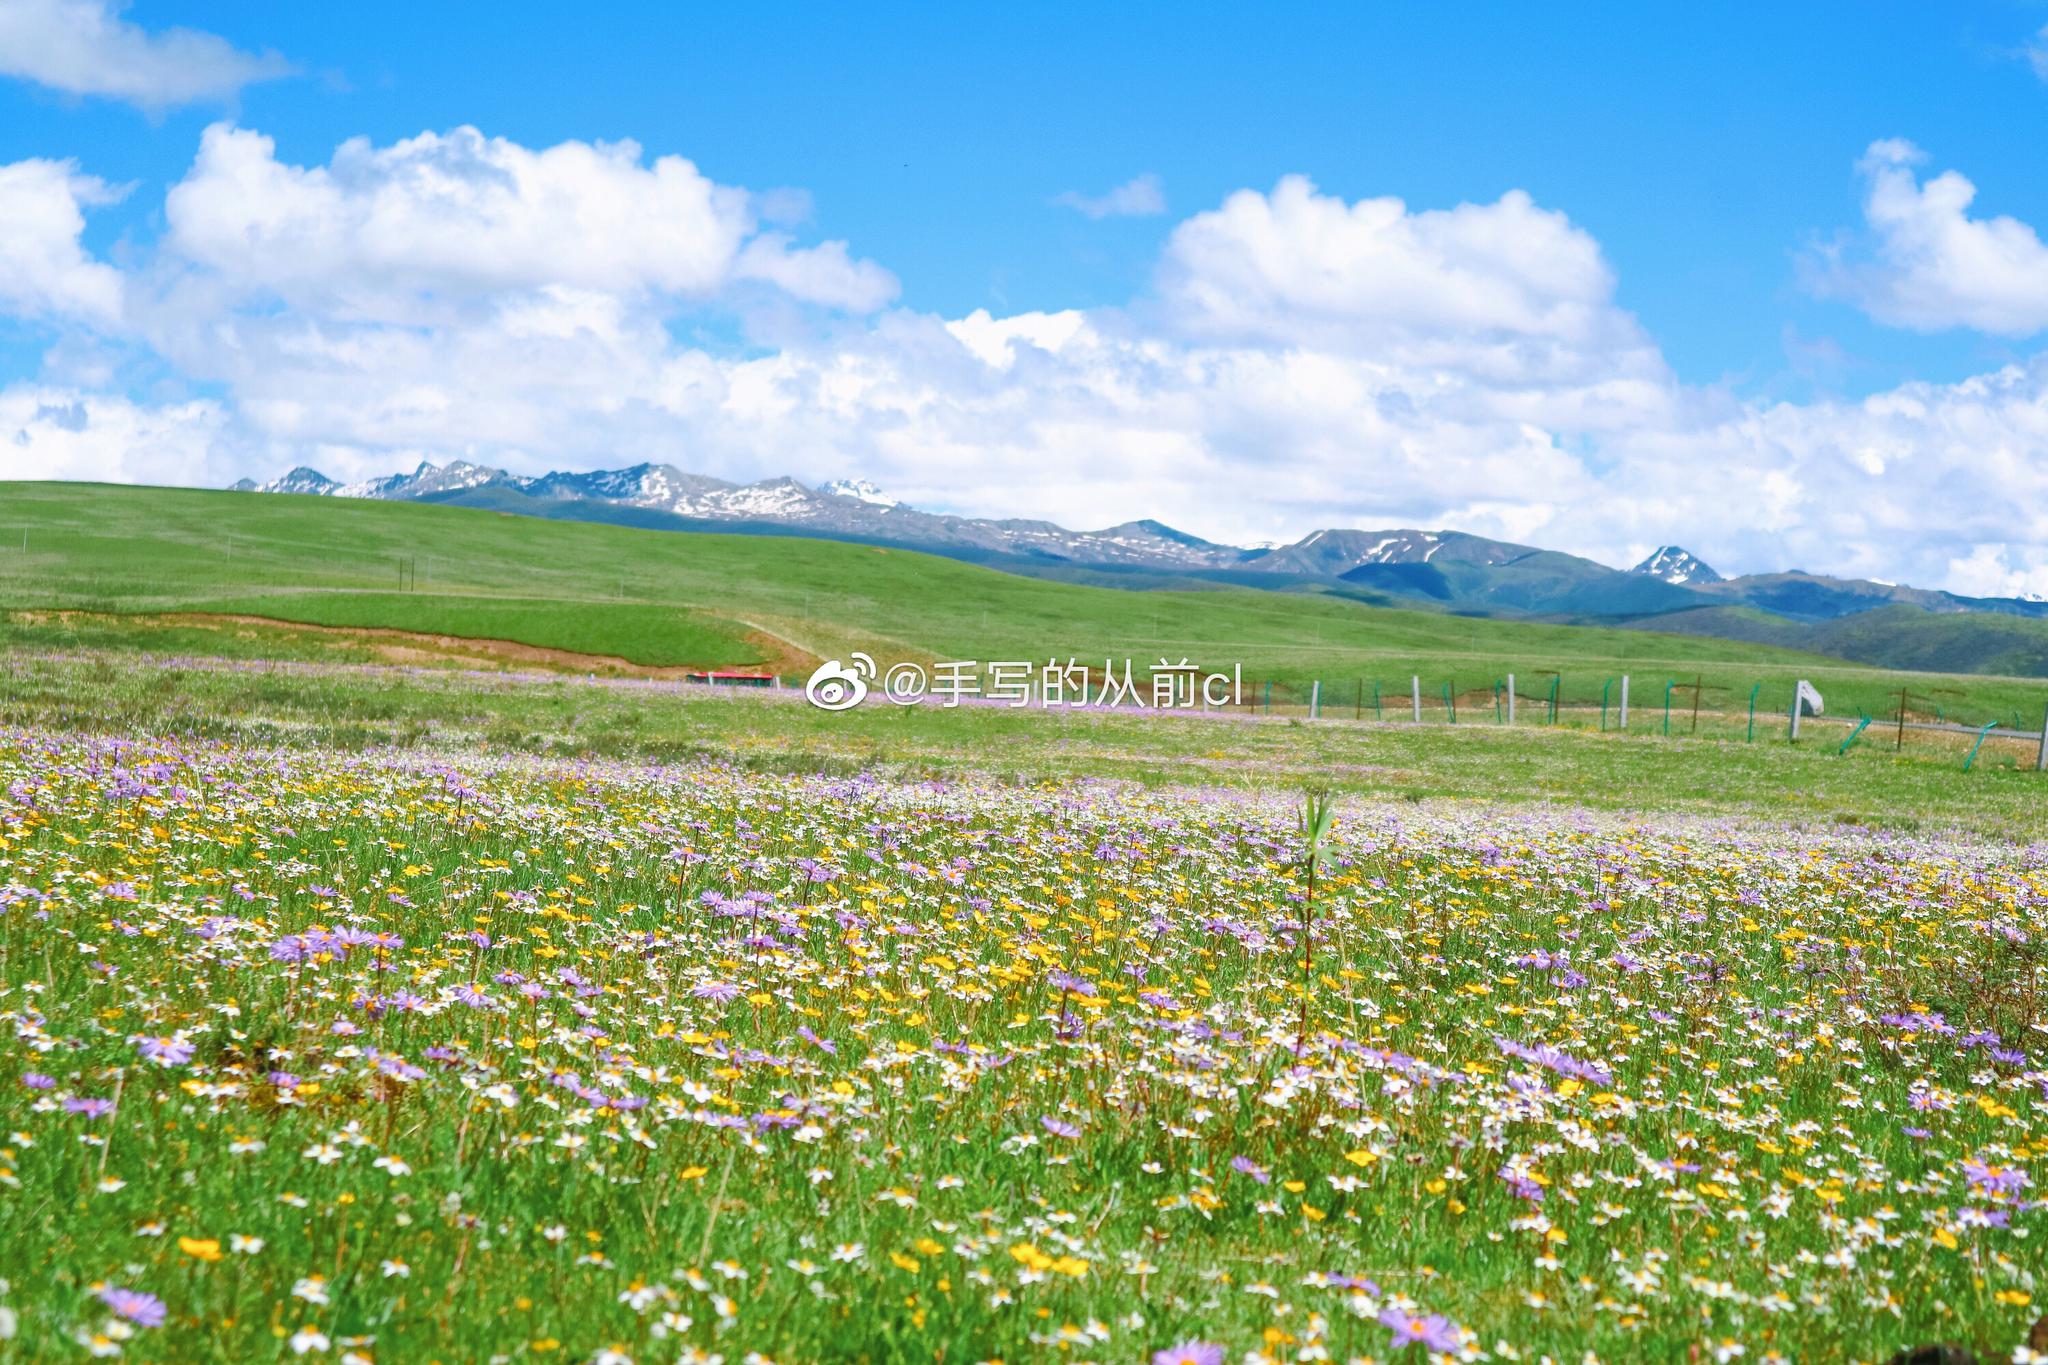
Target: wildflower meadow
(357,1057)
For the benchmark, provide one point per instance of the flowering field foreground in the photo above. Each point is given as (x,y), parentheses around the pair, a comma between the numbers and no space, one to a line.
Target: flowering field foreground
(343,1058)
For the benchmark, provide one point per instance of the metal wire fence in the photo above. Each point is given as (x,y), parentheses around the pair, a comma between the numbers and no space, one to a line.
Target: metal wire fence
(1663,707)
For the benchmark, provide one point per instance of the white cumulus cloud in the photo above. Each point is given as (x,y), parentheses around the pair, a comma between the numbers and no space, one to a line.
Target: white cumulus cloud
(385,232)
(1300,361)
(44,270)
(1506,290)
(1931,265)
(47,432)
(85,47)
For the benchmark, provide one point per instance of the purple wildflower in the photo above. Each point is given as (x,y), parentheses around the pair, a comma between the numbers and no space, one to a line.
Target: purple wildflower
(1068,982)
(1189,1353)
(1552,1059)
(1436,1332)
(1995,1181)
(146,1310)
(171,1051)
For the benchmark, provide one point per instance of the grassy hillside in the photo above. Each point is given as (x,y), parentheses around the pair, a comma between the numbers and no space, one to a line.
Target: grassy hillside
(662,598)
(644,633)
(1896,636)
(1920,787)
(1911,637)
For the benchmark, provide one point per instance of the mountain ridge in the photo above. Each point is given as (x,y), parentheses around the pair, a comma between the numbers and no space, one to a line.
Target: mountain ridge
(1442,569)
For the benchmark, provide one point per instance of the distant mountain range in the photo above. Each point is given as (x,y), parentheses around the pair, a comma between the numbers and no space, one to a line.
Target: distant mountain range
(849,510)
(1671,590)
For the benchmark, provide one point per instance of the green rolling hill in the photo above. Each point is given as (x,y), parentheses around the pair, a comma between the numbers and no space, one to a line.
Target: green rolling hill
(1449,571)
(1898,635)
(200,571)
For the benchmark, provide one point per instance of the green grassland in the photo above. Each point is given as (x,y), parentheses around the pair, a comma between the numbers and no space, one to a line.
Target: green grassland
(920,933)
(1917,787)
(1901,636)
(662,598)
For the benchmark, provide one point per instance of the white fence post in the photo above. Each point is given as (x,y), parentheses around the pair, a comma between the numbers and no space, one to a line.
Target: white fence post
(1315,699)
(2041,759)
(1511,699)
(1795,708)
(1624,703)
(1415,696)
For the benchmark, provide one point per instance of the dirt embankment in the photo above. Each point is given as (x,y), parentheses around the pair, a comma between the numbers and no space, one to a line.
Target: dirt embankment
(423,648)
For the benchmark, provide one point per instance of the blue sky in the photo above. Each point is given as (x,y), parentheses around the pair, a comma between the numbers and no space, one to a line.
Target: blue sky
(1710,158)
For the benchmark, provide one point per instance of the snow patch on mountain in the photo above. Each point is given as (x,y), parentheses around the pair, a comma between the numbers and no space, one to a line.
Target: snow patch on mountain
(1677,566)
(860,490)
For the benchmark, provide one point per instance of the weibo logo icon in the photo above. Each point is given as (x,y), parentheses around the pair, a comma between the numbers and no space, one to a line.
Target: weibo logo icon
(836,687)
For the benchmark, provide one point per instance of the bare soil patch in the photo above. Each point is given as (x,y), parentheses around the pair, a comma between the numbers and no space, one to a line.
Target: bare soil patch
(426,649)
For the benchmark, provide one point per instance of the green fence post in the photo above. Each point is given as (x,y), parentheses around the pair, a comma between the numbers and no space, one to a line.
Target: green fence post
(1553,697)
(1496,701)
(1752,712)
(1603,704)
(1269,696)
(1376,700)
(1450,704)
(1852,736)
(1667,704)
(1993,725)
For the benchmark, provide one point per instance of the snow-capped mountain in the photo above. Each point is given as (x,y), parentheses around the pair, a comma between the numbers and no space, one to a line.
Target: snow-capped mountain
(860,490)
(1336,553)
(426,481)
(1447,569)
(857,508)
(298,480)
(1678,566)
(845,508)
